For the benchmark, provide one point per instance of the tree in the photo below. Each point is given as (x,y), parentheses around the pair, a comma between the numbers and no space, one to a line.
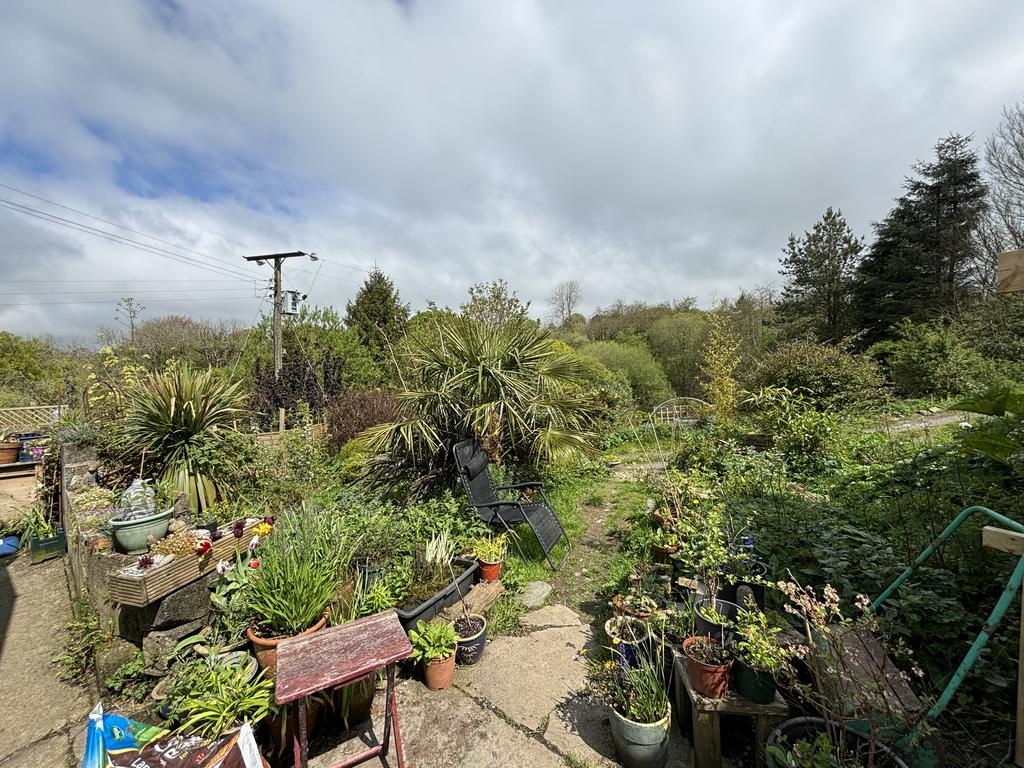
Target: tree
(493,304)
(1004,158)
(647,380)
(676,342)
(922,264)
(564,300)
(820,267)
(377,314)
(127,313)
(720,361)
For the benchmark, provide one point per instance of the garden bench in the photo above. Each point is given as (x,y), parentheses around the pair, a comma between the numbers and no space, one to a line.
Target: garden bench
(337,656)
(706,713)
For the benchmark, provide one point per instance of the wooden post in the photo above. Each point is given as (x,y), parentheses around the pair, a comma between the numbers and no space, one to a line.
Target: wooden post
(1012,542)
(1010,272)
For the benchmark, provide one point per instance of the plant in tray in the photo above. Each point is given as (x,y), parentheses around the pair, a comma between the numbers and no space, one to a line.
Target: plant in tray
(434,646)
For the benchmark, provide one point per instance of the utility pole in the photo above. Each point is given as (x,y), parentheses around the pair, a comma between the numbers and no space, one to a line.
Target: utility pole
(277,258)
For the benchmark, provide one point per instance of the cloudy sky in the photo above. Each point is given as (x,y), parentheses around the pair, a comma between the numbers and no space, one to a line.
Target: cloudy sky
(651,150)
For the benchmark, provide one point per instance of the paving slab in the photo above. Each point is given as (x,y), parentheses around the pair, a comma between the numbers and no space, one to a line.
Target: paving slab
(34,704)
(552,616)
(447,729)
(527,677)
(534,594)
(52,752)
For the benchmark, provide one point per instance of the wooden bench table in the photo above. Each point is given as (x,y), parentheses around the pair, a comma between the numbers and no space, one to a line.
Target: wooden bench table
(706,713)
(337,656)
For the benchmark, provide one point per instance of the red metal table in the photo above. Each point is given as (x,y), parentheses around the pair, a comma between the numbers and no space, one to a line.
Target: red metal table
(337,656)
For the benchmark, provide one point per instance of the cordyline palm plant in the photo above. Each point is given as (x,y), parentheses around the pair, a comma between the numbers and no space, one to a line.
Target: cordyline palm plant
(173,417)
(508,386)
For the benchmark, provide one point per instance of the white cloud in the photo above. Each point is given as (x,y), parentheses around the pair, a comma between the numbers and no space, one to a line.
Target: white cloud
(651,151)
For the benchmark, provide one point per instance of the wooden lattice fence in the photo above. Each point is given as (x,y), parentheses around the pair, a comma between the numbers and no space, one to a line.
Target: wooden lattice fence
(31,418)
(680,411)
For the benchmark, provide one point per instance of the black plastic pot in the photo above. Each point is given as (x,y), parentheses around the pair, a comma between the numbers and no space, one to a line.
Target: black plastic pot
(723,633)
(854,744)
(728,591)
(753,684)
(432,606)
(470,649)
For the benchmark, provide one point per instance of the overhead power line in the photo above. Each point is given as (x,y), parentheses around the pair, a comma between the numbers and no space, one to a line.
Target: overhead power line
(108,301)
(115,238)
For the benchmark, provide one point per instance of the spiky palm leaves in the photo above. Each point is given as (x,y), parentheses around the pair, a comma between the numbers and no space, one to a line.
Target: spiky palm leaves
(508,386)
(173,418)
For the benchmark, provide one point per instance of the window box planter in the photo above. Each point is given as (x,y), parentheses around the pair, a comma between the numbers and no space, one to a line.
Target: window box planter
(432,606)
(41,550)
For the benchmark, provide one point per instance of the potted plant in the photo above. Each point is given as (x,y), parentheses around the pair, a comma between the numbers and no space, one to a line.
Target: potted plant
(45,540)
(434,645)
(707,665)
(297,573)
(612,459)
(640,713)
(837,688)
(10,447)
(490,551)
(759,657)
(434,582)
(138,521)
(629,636)
(472,631)
(665,543)
(717,619)
(222,699)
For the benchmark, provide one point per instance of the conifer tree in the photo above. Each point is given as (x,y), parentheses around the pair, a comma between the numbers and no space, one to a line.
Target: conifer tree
(377,314)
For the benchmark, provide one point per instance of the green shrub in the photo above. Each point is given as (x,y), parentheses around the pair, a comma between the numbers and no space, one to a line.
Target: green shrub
(827,375)
(647,381)
(932,359)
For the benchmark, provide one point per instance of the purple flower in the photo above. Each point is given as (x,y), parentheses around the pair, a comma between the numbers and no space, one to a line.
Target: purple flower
(253,543)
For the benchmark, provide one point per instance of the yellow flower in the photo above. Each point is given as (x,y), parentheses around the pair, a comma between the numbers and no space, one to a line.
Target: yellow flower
(262,529)
(615,641)
(583,651)
(609,665)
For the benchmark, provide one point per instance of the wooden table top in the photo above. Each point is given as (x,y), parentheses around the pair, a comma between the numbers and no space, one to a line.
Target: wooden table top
(338,655)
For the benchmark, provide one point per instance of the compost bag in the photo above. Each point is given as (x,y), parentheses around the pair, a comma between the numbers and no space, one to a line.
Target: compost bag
(113,741)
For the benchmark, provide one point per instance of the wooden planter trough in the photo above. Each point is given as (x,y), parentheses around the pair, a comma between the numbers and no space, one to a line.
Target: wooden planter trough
(138,588)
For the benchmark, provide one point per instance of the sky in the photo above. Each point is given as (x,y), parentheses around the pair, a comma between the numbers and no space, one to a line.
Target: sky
(650,150)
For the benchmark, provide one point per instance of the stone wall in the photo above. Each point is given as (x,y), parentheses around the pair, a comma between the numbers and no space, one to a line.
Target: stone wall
(91,560)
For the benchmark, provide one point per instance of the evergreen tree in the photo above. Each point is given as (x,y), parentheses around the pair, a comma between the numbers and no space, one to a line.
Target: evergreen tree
(922,263)
(377,314)
(820,267)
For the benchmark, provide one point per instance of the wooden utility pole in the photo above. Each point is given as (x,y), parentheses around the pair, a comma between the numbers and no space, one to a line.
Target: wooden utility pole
(277,258)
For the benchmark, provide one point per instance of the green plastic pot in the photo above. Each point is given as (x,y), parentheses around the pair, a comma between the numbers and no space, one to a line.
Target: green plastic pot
(132,536)
(753,684)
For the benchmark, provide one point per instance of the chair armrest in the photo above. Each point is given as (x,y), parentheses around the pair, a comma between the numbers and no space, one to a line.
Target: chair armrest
(496,504)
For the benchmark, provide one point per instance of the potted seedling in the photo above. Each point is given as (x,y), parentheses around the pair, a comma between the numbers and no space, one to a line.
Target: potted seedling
(612,459)
(640,713)
(490,551)
(434,645)
(759,657)
(666,542)
(629,637)
(717,619)
(707,665)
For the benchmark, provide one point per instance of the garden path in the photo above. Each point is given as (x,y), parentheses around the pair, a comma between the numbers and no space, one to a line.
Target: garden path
(41,718)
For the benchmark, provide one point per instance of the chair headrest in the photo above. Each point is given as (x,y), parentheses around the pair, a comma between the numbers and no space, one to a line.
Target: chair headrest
(477,463)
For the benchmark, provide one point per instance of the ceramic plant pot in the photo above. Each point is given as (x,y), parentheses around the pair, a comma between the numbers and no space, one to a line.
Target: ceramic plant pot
(640,745)
(265,648)
(628,646)
(440,673)
(710,680)
(490,571)
(132,536)
(471,648)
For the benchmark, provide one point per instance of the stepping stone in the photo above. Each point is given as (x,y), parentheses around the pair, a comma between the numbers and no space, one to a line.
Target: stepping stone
(535,593)
(552,616)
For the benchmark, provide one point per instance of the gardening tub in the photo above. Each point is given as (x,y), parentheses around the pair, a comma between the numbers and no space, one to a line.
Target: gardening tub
(640,745)
(432,606)
(41,550)
(855,745)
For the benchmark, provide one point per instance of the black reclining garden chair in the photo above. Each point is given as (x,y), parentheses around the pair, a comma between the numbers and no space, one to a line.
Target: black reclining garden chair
(484,497)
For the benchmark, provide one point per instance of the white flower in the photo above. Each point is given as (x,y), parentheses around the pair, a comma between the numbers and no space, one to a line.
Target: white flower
(965,425)
(223,567)
(253,543)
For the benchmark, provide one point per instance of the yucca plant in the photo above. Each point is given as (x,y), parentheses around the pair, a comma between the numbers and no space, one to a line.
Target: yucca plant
(508,385)
(173,417)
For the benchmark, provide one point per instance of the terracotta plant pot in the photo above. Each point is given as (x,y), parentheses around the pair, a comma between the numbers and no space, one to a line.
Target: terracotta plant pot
(265,648)
(711,680)
(439,674)
(490,571)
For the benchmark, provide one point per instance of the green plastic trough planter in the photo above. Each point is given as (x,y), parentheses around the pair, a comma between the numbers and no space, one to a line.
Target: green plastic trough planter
(132,536)
(641,745)
(41,550)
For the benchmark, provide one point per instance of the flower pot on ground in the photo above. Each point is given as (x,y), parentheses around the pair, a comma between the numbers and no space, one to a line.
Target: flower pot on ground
(352,702)
(717,620)
(300,568)
(814,741)
(9,450)
(434,645)
(707,666)
(472,633)
(666,543)
(759,657)
(132,534)
(490,551)
(641,714)
(630,638)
